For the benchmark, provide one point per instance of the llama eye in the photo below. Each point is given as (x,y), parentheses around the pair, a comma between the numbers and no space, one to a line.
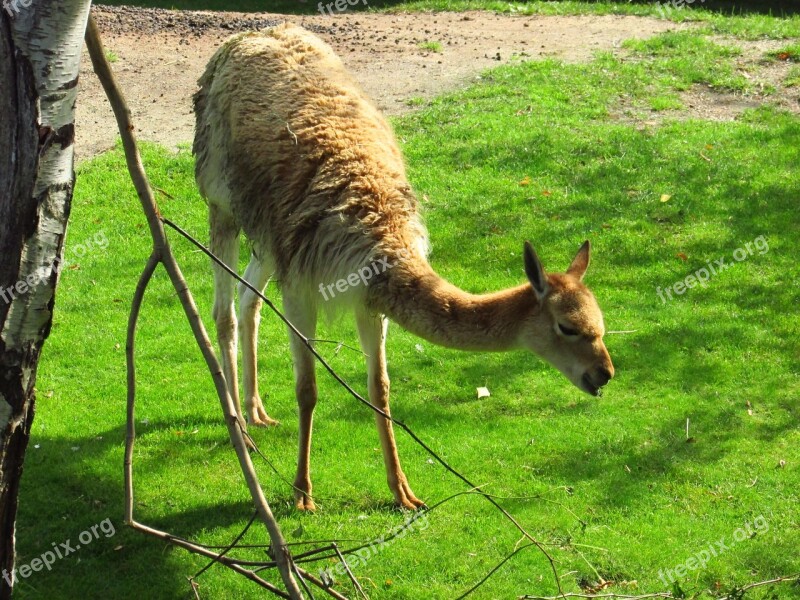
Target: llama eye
(566,330)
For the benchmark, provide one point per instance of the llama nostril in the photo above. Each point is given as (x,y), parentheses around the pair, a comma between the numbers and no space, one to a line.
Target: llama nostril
(604,374)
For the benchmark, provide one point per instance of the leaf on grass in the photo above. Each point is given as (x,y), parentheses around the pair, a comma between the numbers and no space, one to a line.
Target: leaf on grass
(784,55)
(547,193)
(665,197)
(682,256)
(483,392)
(298,532)
(525,181)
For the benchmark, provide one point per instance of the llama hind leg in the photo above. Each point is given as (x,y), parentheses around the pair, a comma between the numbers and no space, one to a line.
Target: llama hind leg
(257,274)
(224,243)
(372,334)
(302,313)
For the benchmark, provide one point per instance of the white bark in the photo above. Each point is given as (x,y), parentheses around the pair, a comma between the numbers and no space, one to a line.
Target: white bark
(50,36)
(40,44)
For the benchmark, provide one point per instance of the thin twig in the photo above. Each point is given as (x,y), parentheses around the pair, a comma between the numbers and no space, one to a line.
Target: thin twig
(230,546)
(343,560)
(493,571)
(302,581)
(750,586)
(187,545)
(321,585)
(194,585)
(339,345)
(163,192)
(130,346)
(161,249)
(610,596)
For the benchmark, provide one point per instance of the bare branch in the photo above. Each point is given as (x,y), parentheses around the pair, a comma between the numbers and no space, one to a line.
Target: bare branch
(163,253)
(737,593)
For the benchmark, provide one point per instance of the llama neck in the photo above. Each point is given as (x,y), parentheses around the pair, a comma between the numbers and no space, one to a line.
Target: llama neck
(420,301)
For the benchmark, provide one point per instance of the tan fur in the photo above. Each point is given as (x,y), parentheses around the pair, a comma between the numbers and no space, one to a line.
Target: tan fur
(291,151)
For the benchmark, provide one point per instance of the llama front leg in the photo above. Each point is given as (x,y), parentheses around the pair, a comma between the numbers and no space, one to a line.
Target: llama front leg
(257,275)
(303,315)
(224,243)
(372,333)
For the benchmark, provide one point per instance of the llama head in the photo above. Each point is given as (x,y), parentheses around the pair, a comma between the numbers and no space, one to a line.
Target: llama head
(566,328)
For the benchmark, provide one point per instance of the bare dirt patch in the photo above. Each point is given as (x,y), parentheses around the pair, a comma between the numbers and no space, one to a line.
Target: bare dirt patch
(768,77)
(160,54)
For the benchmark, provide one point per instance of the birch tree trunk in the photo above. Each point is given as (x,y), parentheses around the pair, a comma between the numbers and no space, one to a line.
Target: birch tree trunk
(40,47)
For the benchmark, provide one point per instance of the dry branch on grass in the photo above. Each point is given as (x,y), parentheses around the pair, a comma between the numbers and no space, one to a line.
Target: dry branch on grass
(735,594)
(163,255)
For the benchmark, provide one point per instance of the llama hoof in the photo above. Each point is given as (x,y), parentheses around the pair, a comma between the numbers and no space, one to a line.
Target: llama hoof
(259,417)
(304,502)
(411,503)
(263,421)
(405,498)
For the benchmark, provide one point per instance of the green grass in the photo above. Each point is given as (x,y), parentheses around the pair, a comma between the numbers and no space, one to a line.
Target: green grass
(686,59)
(793,77)
(622,494)
(431,46)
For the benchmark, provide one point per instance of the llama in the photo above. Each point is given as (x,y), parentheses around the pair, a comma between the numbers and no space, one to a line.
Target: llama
(291,152)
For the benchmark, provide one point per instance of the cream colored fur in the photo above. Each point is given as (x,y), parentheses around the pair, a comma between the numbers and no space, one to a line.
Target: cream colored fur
(291,152)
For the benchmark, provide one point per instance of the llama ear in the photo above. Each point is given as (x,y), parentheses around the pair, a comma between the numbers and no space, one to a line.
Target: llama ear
(534,271)
(581,261)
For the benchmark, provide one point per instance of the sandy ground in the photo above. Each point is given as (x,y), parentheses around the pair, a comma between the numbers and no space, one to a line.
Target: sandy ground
(160,55)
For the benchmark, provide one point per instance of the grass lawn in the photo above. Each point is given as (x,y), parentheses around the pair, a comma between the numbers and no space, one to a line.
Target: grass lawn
(533,151)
